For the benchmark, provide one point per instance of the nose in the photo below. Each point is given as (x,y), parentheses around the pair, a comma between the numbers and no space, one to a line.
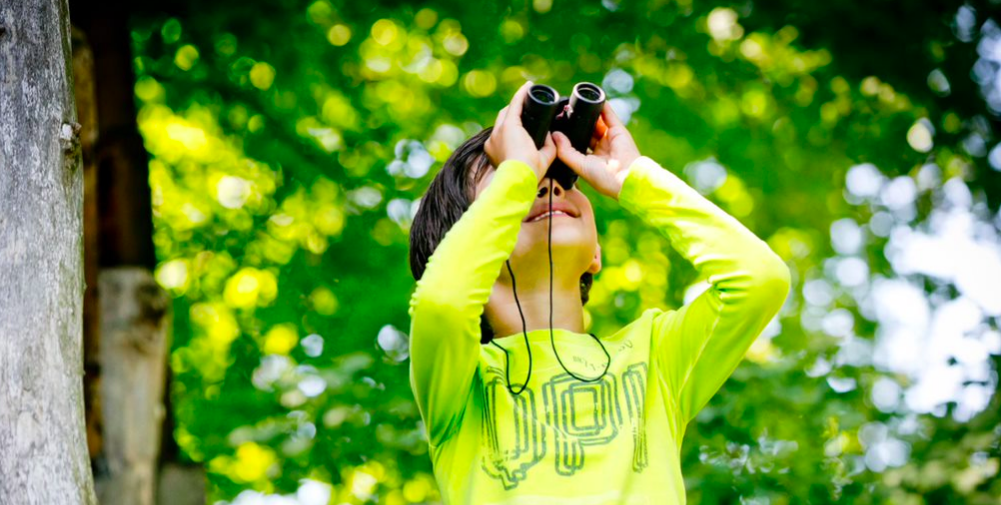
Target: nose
(558,190)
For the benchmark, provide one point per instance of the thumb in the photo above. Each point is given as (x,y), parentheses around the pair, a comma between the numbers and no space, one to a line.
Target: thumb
(548,151)
(566,151)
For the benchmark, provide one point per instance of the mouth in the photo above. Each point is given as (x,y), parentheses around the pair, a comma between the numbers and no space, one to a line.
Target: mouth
(555,214)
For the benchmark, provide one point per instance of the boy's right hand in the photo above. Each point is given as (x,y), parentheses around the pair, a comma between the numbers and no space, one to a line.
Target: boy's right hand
(510,141)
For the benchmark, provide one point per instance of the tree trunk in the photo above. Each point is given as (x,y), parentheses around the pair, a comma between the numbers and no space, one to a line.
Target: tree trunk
(43,451)
(133,349)
(126,336)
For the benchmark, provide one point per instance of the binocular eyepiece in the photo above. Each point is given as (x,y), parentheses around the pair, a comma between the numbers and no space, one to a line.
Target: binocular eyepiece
(574,116)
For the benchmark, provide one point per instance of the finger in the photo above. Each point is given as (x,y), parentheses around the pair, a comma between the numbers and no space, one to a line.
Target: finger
(610,117)
(518,101)
(548,151)
(500,118)
(599,129)
(572,157)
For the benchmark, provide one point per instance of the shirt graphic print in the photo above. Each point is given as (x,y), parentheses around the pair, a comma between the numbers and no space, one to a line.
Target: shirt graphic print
(574,415)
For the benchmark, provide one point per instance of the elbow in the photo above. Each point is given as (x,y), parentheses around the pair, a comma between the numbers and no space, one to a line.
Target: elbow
(434,305)
(773,280)
(778,273)
(438,313)
(431,300)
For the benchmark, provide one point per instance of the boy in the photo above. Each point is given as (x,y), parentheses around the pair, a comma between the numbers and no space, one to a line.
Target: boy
(561,416)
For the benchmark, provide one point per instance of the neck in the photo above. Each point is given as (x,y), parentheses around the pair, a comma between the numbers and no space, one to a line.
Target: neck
(505,320)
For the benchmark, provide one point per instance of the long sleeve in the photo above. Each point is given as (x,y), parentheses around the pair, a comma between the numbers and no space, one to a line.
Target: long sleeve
(699,345)
(448,300)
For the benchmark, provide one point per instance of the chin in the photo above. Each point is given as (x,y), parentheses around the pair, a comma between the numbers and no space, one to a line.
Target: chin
(567,240)
(564,245)
(563,235)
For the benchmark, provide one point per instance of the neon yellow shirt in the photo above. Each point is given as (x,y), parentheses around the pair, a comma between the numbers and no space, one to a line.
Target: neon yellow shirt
(564,441)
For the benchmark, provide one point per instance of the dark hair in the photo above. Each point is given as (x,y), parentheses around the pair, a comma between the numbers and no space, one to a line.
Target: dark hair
(447,198)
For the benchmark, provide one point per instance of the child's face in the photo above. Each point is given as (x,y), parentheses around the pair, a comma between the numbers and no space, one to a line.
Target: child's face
(574,236)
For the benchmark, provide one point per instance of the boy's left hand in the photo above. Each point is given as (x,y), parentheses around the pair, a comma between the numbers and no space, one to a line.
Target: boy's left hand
(613,151)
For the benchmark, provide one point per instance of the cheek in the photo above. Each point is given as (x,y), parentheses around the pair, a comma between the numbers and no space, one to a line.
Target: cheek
(482,185)
(586,211)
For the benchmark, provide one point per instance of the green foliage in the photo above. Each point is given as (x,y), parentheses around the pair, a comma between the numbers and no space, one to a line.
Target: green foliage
(291,141)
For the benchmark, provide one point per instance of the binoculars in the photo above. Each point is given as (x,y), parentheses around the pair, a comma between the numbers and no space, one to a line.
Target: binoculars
(574,116)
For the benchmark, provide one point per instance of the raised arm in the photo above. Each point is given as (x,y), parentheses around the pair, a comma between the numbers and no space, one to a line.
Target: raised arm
(447,303)
(450,297)
(699,345)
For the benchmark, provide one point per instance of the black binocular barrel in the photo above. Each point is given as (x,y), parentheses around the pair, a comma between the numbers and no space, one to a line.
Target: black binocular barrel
(538,112)
(585,106)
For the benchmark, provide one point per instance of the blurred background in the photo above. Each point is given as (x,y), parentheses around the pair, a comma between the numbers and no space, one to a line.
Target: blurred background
(288,143)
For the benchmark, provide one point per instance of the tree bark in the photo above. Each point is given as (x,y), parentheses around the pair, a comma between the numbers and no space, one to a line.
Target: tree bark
(134,343)
(43,451)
